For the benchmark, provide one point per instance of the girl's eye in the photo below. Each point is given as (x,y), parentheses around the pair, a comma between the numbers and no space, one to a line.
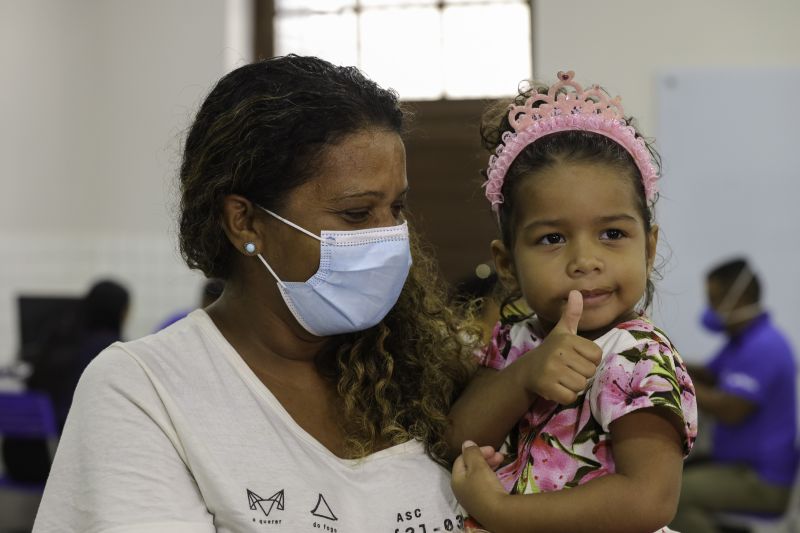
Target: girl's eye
(612,234)
(552,238)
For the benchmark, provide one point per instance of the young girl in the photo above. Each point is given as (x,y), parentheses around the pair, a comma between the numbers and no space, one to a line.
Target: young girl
(601,400)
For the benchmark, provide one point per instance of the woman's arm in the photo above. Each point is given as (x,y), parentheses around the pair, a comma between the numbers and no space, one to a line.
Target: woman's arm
(701,375)
(642,495)
(556,370)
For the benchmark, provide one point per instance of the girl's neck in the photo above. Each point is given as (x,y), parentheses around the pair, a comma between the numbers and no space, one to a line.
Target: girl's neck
(594,334)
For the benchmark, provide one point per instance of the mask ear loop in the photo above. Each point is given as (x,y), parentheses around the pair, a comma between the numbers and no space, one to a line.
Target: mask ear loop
(274,275)
(287,222)
(292,224)
(736,290)
(744,313)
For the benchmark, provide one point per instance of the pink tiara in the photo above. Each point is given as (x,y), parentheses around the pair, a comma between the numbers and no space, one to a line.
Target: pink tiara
(589,110)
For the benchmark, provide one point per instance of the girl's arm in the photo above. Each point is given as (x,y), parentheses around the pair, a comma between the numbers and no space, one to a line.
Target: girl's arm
(556,370)
(642,495)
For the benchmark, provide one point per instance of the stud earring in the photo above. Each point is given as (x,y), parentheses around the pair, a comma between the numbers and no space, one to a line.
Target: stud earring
(250,247)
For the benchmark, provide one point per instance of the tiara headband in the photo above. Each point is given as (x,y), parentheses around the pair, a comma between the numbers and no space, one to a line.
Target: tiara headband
(589,110)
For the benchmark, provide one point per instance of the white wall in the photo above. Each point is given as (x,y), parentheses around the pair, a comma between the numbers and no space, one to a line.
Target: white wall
(94,98)
(624,44)
(628,46)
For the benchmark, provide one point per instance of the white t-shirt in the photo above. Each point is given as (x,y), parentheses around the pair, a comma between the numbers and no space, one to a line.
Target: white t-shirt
(174,433)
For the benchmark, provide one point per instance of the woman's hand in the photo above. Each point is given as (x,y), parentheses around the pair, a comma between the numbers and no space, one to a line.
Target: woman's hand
(474,482)
(560,368)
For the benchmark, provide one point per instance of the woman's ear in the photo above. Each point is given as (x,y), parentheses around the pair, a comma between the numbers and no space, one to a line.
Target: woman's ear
(238,215)
(652,245)
(504,265)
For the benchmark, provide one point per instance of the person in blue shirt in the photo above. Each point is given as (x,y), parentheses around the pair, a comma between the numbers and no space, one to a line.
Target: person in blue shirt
(749,391)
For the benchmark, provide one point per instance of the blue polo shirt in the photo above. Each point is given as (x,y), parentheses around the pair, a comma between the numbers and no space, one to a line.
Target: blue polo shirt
(758,365)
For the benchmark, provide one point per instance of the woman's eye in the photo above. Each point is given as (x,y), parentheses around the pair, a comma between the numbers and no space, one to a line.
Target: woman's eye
(356,215)
(552,238)
(398,210)
(612,234)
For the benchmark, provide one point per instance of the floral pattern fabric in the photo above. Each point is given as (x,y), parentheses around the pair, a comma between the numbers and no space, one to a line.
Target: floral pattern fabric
(562,446)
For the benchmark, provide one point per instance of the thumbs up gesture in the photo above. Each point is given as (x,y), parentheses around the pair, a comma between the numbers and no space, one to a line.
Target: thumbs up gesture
(560,368)
(571,315)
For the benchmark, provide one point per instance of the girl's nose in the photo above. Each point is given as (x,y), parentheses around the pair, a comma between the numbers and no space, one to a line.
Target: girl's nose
(584,261)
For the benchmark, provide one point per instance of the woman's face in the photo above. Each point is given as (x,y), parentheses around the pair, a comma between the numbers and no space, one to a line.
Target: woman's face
(360,183)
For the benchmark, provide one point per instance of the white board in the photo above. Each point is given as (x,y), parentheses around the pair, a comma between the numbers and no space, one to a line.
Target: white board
(730,142)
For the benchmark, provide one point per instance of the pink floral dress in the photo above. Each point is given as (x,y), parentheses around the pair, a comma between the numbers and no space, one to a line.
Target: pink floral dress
(562,446)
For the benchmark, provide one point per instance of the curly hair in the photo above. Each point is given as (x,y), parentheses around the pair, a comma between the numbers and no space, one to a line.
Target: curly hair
(399,379)
(261,133)
(566,146)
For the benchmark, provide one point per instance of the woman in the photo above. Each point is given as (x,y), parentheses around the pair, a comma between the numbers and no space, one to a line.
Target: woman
(313,393)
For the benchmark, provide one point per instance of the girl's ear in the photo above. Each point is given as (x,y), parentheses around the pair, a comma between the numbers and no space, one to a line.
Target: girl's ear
(652,244)
(238,221)
(504,265)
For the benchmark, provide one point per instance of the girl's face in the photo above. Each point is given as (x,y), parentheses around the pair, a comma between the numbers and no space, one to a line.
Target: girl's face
(578,227)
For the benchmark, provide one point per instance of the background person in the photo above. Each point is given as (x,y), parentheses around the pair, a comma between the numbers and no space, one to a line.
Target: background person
(58,364)
(749,390)
(66,354)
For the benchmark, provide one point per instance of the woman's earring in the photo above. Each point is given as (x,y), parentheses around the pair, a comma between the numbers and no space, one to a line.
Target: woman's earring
(250,247)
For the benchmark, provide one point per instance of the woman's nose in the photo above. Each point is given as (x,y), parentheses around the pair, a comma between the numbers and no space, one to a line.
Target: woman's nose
(389,217)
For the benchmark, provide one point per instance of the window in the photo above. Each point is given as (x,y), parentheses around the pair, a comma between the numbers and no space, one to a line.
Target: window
(424,49)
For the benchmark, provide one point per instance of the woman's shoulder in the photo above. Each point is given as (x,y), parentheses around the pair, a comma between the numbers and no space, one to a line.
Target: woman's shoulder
(185,347)
(182,339)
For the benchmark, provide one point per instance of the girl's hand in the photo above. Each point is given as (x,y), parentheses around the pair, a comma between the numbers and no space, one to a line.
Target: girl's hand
(560,368)
(475,484)
(493,458)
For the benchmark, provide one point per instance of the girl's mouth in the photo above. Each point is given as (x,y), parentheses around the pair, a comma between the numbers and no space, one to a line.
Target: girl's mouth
(595,296)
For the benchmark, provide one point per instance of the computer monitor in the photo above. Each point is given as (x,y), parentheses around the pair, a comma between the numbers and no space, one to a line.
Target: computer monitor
(41,316)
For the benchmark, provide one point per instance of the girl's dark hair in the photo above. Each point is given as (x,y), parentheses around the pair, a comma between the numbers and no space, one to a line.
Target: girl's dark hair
(261,133)
(561,147)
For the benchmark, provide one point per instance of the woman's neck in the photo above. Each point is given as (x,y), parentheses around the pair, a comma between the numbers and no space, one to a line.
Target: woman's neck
(284,357)
(262,331)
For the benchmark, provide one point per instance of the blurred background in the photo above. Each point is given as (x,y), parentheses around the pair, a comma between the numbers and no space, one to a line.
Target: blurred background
(95,96)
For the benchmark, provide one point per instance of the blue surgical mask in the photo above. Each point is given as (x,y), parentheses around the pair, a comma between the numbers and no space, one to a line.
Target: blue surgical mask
(361,274)
(711,320)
